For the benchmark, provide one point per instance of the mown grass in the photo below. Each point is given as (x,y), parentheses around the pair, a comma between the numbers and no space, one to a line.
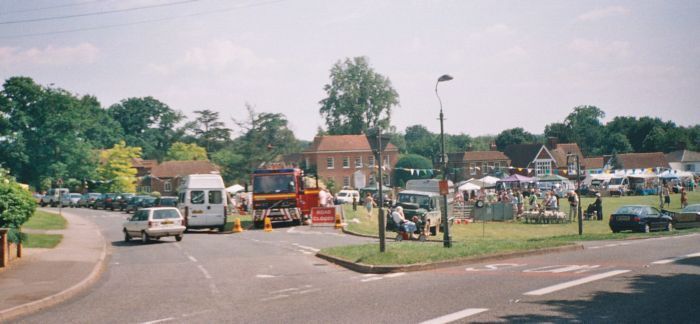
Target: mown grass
(45,241)
(45,221)
(476,239)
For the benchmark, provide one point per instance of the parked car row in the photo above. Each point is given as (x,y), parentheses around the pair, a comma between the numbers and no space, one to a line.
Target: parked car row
(643,218)
(128,202)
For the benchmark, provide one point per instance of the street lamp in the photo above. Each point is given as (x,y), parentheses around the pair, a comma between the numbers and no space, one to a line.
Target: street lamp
(447,242)
(378,142)
(572,160)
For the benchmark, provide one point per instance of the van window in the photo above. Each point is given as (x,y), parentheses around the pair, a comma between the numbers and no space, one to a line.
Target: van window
(215,197)
(197,197)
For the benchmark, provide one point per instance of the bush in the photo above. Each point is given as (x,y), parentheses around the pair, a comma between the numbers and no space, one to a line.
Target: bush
(16,206)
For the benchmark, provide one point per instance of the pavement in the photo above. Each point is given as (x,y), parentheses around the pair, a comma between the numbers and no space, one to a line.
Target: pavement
(46,277)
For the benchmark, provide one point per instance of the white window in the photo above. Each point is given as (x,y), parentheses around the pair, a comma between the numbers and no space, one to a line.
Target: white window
(370,161)
(346,162)
(358,162)
(346,181)
(167,186)
(543,167)
(690,167)
(472,169)
(330,163)
(386,161)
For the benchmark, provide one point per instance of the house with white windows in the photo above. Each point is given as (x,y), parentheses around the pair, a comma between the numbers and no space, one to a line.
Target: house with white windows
(540,160)
(348,160)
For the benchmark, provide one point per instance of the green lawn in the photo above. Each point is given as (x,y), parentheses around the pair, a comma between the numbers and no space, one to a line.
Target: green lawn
(46,241)
(492,237)
(45,221)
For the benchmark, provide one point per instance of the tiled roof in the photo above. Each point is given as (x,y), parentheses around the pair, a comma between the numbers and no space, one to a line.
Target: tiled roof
(141,163)
(478,156)
(342,143)
(594,162)
(642,160)
(172,169)
(522,154)
(560,152)
(683,156)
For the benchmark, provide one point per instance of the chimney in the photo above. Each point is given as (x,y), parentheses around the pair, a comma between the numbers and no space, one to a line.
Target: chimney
(493,146)
(552,142)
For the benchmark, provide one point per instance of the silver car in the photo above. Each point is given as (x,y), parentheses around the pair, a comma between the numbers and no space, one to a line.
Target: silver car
(154,223)
(70,200)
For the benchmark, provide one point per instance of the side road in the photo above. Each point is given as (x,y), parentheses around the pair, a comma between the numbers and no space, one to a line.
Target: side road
(45,278)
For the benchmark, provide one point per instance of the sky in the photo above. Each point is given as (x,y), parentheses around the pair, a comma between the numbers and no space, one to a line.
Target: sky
(515,63)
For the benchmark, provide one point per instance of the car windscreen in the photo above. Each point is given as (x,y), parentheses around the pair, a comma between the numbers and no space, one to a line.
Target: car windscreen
(276,183)
(616,181)
(422,201)
(165,214)
(630,210)
(691,209)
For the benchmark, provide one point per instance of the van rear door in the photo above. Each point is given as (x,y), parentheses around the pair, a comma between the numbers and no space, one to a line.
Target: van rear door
(215,207)
(197,208)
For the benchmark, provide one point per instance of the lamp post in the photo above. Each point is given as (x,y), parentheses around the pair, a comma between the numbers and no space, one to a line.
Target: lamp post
(573,159)
(378,142)
(446,239)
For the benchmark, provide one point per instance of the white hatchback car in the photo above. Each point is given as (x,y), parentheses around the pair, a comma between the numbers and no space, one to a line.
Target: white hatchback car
(154,223)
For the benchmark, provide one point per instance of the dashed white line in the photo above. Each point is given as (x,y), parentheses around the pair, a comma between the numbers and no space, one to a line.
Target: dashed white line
(666,261)
(371,279)
(160,320)
(204,271)
(265,276)
(274,297)
(191,258)
(455,316)
(284,290)
(307,247)
(561,286)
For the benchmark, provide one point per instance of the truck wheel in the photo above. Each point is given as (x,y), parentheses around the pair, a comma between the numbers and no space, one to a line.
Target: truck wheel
(258,224)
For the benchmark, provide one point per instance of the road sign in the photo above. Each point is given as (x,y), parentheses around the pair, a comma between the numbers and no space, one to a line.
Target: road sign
(444,187)
(323,216)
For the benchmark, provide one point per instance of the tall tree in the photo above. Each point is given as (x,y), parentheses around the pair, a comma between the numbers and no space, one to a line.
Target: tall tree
(585,124)
(211,132)
(513,136)
(411,161)
(419,140)
(357,98)
(116,168)
(186,152)
(147,123)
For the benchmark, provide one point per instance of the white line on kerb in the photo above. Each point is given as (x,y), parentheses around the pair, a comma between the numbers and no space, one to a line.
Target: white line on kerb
(665,261)
(455,316)
(547,290)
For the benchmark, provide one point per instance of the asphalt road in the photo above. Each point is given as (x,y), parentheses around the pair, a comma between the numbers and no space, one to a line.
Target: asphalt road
(258,277)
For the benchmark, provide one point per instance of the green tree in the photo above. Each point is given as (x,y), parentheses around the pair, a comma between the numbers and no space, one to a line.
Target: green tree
(210,131)
(419,140)
(16,205)
(357,98)
(560,131)
(615,142)
(513,136)
(116,169)
(586,127)
(411,161)
(186,152)
(147,123)
(234,166)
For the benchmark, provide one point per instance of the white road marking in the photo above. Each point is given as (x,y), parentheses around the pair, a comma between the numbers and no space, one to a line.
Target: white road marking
(265,276)
(307,291)
(307,247)
(561,286)
(666,261)
(283,290)
(191,258)
(564,268)
(160,320)
(177,245)
(305,252)
(455,316)
(213,289)
(274,297)
(371,279)
(204,271)
(494,267)
(394,275)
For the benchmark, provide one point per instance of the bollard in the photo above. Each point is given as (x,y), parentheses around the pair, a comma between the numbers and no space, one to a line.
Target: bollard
(4,253)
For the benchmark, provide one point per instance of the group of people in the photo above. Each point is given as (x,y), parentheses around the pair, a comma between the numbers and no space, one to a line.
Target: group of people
(665,191)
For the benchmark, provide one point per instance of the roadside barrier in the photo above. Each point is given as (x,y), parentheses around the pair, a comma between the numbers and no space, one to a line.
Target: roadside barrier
(237,226)
(268,225)
(338,224)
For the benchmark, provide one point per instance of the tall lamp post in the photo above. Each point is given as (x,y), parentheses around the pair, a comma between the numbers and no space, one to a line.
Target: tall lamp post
(446,239)
(572,160)
(378,142)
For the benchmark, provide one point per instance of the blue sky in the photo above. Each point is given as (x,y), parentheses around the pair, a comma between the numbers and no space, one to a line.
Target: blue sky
(515,63)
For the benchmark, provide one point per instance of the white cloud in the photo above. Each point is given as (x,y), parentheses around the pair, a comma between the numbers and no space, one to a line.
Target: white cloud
(491,31)
(593,48)
(216,56)
(50,55)
(602,13)
(511,54)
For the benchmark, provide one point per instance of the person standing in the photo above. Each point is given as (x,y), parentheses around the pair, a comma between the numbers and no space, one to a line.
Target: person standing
(369,203)
(532,200)
(684,198)
(354,203)
(322,198)
(598,204)
(667,196)
(521,201)
(573,205)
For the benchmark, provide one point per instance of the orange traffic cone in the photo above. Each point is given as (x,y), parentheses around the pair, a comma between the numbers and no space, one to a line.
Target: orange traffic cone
(457,221)
(338,224)
(237,226)
(268,225)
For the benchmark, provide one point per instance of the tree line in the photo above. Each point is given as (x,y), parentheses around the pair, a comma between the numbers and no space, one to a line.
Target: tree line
(48,133)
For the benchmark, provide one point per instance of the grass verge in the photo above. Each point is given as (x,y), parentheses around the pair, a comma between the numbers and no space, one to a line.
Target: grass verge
(45,221)
(44,241)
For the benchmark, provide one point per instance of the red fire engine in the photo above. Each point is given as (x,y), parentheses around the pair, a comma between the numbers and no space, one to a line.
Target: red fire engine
(280,195)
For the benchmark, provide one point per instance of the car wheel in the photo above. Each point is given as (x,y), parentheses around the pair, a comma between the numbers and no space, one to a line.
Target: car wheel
(647,228)
(178,237)
(127,237)
(669,227)
(144,237)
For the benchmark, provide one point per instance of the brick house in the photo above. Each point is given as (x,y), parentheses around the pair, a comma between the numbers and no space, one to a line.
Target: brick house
(348,160)
(165,177)
(636,161)
(477,164)
(540,160)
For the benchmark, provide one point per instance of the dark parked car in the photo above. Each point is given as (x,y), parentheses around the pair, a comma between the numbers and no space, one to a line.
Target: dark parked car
(148,201)
(135,203)
(166,201)
(106,201)
(687,217)
(639,218)
(123,200)
(88,199)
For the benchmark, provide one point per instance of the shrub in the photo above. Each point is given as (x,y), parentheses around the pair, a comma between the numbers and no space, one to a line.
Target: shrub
(16,206)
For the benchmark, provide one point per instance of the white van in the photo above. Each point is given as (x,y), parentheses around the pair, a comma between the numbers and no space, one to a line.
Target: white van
(202,201)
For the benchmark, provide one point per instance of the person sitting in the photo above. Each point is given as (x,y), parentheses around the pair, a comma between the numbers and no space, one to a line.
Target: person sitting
(400,220)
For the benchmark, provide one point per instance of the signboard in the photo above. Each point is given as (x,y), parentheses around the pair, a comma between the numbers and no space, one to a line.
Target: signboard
(323,216)
(444,187)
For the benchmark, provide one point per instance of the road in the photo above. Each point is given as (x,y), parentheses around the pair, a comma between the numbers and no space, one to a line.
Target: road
(259,277)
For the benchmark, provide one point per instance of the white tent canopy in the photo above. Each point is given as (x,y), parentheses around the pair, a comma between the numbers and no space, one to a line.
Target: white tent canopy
(235,188)
(468,187)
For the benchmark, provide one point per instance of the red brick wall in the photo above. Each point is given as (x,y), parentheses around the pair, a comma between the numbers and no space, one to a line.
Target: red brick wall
(338,172)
